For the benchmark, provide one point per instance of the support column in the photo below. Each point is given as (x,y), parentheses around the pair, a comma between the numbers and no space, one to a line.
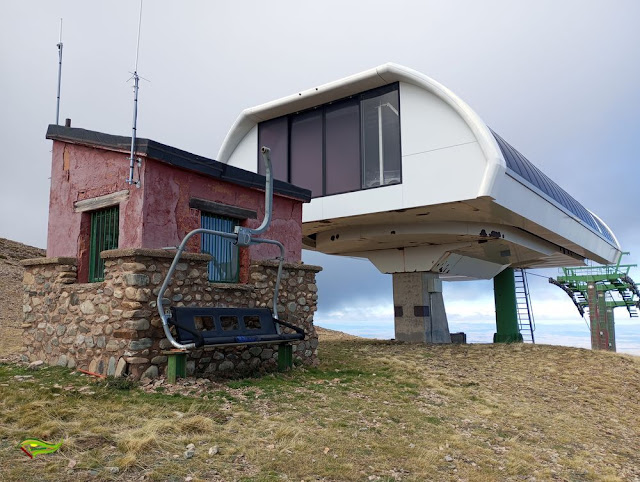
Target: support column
(420,316)
(603,332)
(504,291)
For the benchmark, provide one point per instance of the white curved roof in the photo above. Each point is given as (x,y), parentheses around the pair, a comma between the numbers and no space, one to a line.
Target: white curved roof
(369,79)
(507,189)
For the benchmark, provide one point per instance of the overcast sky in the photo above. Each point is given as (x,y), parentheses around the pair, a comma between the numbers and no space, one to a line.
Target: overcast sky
(558,80)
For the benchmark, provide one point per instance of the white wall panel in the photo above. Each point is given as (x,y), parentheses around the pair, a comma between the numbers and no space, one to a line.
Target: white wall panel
(444,175)
(428,123)
(245,155)
(379,199)
(533,208)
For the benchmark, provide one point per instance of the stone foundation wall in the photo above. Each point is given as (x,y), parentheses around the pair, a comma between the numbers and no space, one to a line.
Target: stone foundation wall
(113,327)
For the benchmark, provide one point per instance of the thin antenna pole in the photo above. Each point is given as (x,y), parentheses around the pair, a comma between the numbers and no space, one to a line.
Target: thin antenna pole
(59,75)
(132,159)
(138,42)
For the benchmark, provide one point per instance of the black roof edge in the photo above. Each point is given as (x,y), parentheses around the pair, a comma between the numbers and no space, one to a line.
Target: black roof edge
(175,157)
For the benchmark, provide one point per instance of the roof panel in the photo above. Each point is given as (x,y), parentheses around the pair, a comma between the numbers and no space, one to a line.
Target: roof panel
(521,167)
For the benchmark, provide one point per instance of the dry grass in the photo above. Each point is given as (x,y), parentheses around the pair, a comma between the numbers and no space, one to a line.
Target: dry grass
(371,411)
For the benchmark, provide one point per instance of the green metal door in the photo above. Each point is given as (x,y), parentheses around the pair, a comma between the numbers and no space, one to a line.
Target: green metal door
(104,236)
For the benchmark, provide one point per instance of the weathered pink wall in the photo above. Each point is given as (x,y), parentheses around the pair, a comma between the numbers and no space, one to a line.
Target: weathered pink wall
(156,215)
(78,173)
(168,218)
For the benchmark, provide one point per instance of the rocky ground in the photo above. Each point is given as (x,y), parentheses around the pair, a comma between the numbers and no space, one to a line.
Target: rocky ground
(11,253)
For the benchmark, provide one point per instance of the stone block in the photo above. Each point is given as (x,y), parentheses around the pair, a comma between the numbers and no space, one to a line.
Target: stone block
(151,372)
(87,307)
(255,350)
(137,324)
(137,314)
(133,267)
(121,367)
(111,367)
(133,279)
(136,360)
(140,344)
(126,334)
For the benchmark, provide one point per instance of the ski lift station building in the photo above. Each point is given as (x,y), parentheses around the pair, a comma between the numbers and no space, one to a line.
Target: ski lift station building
(404,173)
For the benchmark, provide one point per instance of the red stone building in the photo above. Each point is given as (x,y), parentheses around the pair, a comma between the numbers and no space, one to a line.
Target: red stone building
(91,302)
(88,174)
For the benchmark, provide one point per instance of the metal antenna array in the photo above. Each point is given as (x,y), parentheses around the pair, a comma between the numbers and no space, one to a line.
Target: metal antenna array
(59,75)
(133,161)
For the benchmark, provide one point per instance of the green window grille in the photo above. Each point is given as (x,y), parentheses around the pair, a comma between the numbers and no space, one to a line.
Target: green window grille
(224,266)
(104,236)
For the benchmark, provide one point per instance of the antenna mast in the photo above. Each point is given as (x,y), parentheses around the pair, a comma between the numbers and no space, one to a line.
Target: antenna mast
(132,159)
(59,75)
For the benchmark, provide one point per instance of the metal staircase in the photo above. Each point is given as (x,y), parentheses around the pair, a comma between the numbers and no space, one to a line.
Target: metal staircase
(526,323)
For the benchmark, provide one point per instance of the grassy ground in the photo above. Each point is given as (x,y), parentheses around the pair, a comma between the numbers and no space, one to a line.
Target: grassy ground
(371,411)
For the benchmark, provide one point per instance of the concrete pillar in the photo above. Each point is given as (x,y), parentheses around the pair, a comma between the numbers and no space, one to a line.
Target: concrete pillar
(504,291)
(420,316)
(603,331)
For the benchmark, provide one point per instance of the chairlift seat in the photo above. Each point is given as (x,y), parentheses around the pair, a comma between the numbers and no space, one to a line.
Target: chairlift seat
(230,326)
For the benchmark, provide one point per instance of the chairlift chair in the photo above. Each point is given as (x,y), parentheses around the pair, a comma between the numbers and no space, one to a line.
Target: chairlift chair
(229,326)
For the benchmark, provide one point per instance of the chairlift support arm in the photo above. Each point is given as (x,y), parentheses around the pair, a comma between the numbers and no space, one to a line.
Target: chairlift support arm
(242,237)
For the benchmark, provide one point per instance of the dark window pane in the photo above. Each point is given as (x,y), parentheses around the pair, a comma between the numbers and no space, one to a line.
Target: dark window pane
(342,147)
(275,135)
(381,139)
(306,151)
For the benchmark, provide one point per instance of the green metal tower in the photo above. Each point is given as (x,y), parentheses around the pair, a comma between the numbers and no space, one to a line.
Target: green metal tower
(507,327)
(600,289)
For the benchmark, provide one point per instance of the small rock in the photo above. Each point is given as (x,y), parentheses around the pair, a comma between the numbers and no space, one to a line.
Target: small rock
(72,463)
(113,470)
(448,458)
(214,450)
(35,365)
(189,453)
(151,372)
(191,447)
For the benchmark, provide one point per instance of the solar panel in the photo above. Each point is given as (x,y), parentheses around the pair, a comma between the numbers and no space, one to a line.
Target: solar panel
(521,167)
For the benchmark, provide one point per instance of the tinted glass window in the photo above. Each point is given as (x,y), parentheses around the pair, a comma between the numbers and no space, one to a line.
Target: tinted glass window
(275,135)
(339,147)
(381,139)
(342,148)
(306,151)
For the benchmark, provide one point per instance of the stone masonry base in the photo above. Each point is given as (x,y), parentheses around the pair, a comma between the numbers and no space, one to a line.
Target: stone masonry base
(113,327)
